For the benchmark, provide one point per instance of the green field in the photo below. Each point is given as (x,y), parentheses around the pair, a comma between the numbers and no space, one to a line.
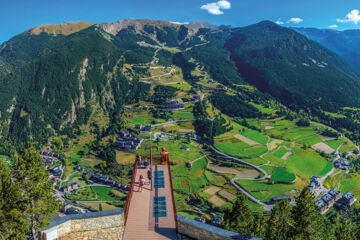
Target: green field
(241,149)
(310,140)
(256,161)
(297,133)
(275,157)
(334,143)
(190,180)
(262,108)
(182,115)
(145,118)
(307,163)
(263,191)
(97,193)
(282,175)
(255,136)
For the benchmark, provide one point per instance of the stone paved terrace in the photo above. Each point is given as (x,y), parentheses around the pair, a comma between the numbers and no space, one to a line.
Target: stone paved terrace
(97,225)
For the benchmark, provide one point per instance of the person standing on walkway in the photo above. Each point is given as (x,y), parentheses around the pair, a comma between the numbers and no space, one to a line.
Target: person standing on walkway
(164,156)
(141,183)
(138,159)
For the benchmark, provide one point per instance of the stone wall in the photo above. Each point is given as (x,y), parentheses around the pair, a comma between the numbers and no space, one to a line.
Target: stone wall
(200,231)
(97,225)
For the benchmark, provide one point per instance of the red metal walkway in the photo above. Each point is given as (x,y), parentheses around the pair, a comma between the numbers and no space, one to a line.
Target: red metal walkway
(140,220)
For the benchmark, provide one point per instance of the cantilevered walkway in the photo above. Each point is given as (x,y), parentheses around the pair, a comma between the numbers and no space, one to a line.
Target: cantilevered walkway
(151,214)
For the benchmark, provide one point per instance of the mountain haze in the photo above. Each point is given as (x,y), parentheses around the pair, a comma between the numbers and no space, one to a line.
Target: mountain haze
(345,43)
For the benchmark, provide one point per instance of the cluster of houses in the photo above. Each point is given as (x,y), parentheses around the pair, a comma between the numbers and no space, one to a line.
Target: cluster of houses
(127,141)
(72,187)
(143,129)
(49,158)
(341,163)
(334,197)
(195,98)
(175,104)
(102,179)
(314,183)
(179,103)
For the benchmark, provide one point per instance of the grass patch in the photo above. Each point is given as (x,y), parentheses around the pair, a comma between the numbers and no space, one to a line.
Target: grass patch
(307,163)
(262,108)
(348,146)
(263,191)
(282,175)
(241,149)
(310,140)
(276,157)
(255,136)
(182,115)
(334,143)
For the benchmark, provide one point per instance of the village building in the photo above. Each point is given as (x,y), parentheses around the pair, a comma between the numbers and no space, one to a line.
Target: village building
(322,207)
(71,187)
(280,198)
(335,194)
(127,141)
(217,220)
(175,104)
(195,98)
(314,183)
(346,201)
(328,199)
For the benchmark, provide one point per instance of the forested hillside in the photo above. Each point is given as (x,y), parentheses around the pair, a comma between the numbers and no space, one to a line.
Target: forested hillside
(53,77)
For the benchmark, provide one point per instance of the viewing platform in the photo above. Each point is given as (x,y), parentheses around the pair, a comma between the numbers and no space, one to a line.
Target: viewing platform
(151,213)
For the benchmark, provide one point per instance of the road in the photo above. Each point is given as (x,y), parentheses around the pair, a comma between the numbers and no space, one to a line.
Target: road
(242,162)
(174,121)
(233,181)
(158,76)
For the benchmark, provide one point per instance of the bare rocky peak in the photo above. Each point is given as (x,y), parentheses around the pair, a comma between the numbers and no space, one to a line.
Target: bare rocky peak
(62,29)
(200,24)
(138,25)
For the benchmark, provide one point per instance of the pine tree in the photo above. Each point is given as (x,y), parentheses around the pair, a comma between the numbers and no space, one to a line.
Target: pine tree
(357,228)
(12,219)
(36,190)
(308,222)
(239,218)
(344,230)
(280,222)
(258,227)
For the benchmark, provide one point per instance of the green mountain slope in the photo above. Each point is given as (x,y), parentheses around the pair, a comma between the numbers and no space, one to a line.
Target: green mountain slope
(56,76)
(287,65)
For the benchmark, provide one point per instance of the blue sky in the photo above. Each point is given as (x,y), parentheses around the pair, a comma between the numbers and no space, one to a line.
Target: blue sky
(17,16)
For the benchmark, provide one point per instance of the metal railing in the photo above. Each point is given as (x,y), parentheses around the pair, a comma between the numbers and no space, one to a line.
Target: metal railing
(130,193)
(172,193)
(151,170)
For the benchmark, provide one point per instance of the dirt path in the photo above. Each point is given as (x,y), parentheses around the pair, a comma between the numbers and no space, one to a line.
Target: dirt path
(286,155)
(246,140)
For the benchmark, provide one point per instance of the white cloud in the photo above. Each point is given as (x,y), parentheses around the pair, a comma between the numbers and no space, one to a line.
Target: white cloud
(333,26)
(216,7)
(352,16)
(295,20)
(180,23)
(279,22)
